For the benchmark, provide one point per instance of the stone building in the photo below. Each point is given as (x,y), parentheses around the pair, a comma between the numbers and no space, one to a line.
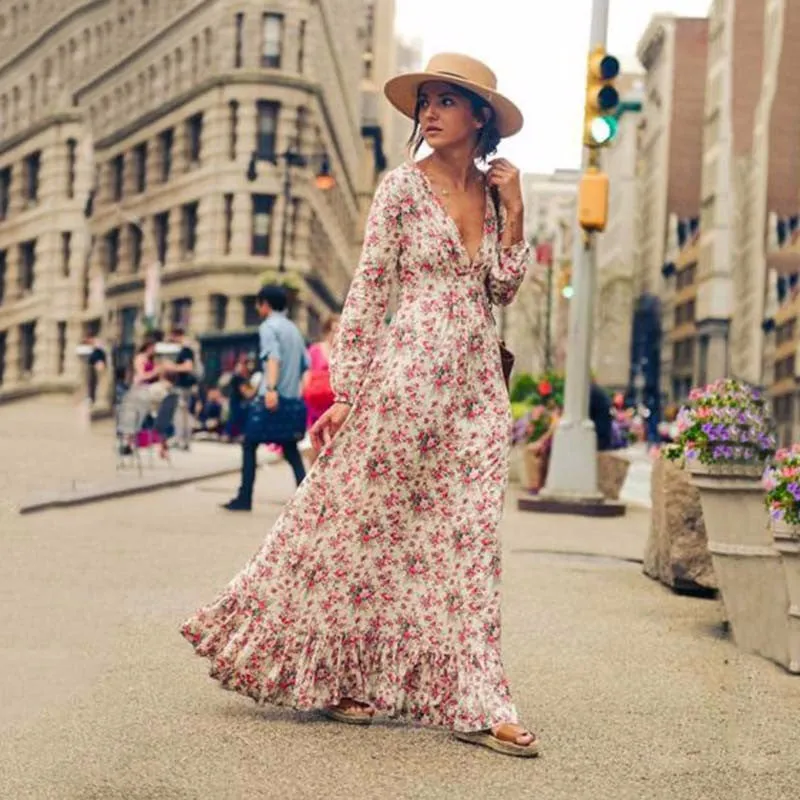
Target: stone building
(674,53)
(617,247)
(550,214)
(159,156)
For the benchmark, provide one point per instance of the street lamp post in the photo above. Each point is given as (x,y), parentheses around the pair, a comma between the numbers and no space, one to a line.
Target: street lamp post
(323,180)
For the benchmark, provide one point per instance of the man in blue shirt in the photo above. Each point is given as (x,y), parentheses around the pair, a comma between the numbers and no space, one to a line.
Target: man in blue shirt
(285,360)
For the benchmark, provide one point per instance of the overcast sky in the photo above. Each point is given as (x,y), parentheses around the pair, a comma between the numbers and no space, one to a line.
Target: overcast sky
(539,57)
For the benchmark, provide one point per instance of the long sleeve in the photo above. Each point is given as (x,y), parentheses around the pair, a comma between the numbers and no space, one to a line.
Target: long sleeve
(365,308)
(509,270)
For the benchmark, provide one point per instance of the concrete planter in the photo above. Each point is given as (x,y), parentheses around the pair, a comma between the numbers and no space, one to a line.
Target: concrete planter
(534,468)
(787,543)
(677,548)
(612,470)
(746,562)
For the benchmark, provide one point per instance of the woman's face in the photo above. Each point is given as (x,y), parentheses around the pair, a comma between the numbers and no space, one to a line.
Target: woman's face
(446,118)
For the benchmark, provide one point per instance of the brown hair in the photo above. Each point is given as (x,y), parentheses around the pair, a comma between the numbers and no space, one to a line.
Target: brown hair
(330,321)
(488,136)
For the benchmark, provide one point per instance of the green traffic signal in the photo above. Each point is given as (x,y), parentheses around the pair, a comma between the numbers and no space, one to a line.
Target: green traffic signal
(603,129)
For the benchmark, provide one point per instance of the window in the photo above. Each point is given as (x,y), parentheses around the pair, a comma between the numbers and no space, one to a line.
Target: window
(194,137)
(272,40)
(27,266)
(262,223)
(127,324)
(27,347)
(72,157)
(62,346)
(117,177)
(181,312)
(32,164)
(66,251)
(189,228)
(136,239)
(161,225)
(237,47)
(140,166)
(195,58)
(233,122)
(219,311)
(165,142)
(5,191)
(251,316)
(2,275)
(301,46)
(267,114)
(228,223)
(112,250)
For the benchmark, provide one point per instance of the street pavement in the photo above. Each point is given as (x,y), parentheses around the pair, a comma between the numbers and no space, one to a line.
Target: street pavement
(635,692)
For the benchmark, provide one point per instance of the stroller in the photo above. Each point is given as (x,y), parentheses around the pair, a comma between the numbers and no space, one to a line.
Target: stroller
(137,428)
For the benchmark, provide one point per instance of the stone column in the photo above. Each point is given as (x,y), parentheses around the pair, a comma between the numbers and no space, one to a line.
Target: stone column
(210,227)
(242,225)
(712,360)
(235,314)
(174,254)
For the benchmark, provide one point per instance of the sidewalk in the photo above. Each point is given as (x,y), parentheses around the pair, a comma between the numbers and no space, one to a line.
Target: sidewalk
(52,459)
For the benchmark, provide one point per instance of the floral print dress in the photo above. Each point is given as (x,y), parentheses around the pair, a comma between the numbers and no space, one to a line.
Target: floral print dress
(379,582)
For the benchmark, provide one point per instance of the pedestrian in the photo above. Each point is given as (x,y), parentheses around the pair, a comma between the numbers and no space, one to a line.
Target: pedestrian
(378,588)
(317,390)
(284,360)
(183,374)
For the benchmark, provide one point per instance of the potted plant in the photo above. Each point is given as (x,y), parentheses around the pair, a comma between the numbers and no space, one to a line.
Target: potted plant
(782,485)
(725,436)
(529,429)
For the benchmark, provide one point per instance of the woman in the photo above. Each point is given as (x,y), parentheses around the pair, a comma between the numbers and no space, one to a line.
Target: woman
(377,589)
(317,391)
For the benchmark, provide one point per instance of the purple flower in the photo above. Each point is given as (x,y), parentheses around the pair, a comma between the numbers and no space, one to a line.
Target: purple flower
(794,490)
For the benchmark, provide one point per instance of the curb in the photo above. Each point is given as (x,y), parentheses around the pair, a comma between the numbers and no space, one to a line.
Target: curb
(98,495)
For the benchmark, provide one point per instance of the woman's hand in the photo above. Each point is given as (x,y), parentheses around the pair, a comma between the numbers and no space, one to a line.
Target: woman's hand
(328,425)
(505,176)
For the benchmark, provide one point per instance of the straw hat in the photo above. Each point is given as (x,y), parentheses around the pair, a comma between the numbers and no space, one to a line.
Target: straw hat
(459,70)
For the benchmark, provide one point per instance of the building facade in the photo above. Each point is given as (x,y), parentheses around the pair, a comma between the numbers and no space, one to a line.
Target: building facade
(159,157)
(674,54)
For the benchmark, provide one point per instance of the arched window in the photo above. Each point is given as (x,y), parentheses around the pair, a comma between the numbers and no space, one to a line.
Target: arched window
(167,75)
(209,34)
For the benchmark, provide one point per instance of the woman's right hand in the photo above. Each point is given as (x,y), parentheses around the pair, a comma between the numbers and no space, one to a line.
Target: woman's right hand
(328,425)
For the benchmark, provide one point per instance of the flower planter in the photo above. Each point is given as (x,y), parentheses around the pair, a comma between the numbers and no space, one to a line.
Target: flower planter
(612,470)
(746,562)
(534,468)
(787,543)
(677,548)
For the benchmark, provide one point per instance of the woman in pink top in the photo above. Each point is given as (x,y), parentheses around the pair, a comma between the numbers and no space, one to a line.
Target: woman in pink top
(317,390)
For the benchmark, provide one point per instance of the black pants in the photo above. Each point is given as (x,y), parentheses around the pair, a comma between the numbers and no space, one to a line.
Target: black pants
(290,453)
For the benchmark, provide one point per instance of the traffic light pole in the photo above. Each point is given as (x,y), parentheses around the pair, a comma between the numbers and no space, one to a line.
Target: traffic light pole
(572,474)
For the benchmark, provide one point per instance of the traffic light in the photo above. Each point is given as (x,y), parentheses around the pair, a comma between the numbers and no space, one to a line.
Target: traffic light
(600,123)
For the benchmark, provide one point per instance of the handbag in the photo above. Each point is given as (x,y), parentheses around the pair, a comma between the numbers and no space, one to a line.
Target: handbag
(286,423)
(506,356)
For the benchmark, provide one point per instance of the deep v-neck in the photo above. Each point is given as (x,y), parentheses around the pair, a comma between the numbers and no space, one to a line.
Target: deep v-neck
(449,217)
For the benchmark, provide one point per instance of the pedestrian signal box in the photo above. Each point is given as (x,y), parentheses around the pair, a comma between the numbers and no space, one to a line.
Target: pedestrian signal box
(593,200)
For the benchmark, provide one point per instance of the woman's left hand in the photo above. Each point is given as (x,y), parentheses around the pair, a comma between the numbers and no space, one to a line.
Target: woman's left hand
(505,176)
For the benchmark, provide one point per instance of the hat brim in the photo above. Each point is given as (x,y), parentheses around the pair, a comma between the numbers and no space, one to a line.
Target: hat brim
(402,92)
